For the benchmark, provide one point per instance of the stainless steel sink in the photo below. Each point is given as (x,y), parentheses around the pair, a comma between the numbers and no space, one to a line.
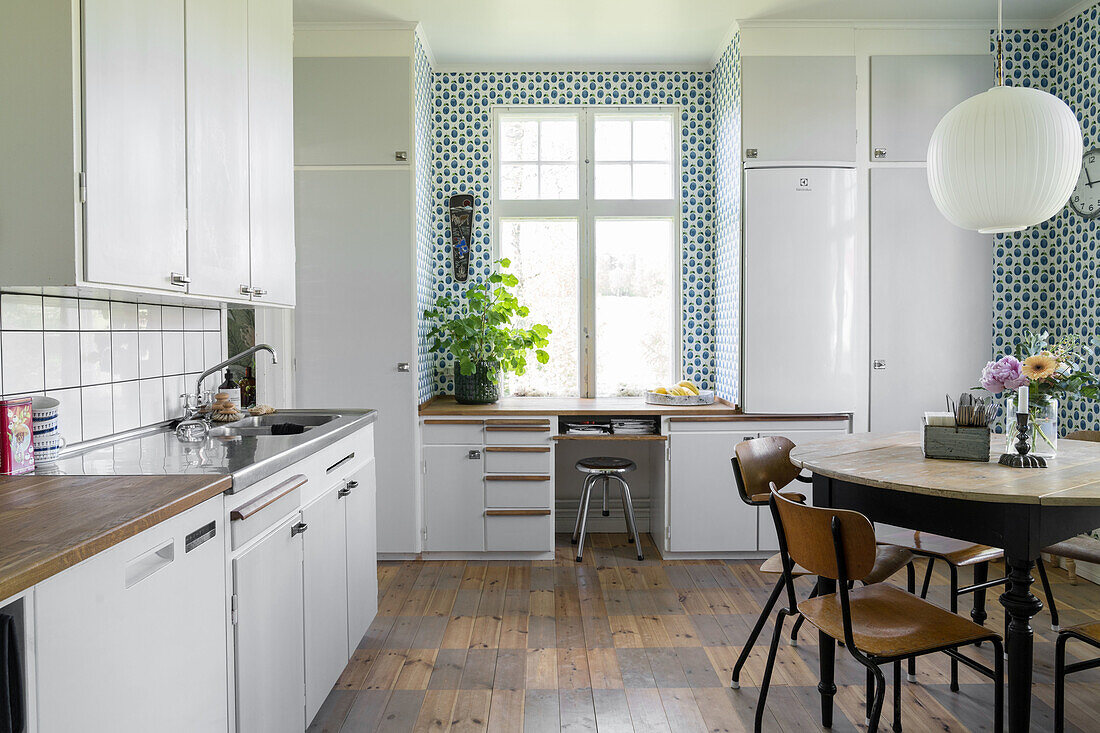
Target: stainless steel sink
(260,425)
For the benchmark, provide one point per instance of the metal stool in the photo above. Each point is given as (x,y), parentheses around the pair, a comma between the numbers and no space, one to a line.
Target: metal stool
(606,468)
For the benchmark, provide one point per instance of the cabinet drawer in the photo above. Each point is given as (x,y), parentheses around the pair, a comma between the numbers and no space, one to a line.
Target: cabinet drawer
(453,432)
(256,516)
(507,490)
(531,530)
(517,459)
(517,432)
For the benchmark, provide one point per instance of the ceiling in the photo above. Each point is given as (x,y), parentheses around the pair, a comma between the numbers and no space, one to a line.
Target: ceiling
(651,32)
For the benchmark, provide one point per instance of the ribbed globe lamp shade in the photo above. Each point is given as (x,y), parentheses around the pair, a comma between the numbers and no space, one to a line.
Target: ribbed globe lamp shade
(1005,160)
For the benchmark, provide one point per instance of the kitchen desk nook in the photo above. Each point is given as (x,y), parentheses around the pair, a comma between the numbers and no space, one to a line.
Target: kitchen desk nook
(499,479)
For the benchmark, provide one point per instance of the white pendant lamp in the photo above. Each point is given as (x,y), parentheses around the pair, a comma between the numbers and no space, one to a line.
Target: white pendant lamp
(1006,159)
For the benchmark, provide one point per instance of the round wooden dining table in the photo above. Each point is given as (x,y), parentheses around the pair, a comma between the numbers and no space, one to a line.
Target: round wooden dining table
(887,478)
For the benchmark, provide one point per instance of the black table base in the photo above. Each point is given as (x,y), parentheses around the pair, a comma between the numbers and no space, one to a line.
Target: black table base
(1021,529)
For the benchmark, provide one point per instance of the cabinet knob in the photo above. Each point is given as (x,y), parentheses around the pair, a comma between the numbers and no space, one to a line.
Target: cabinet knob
(245,290)
(474,455)
(298,528)
(352,485)
(179,279)
(878,364)
(258,292)
(343,492)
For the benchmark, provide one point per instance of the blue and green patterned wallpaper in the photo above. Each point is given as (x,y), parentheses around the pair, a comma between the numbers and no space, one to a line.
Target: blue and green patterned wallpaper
(726,80)
(461,150)
(425,242)
(1048,276)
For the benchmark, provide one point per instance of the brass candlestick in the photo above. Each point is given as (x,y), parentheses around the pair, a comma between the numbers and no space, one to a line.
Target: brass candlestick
(1022,457)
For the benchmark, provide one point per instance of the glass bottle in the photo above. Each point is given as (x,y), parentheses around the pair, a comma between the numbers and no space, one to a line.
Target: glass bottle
(248,388)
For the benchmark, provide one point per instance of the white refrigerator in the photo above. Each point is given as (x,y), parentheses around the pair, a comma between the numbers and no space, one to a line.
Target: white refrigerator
(805,286)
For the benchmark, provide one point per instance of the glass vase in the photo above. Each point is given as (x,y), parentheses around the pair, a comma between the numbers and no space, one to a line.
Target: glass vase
(1042,426)
(480,388)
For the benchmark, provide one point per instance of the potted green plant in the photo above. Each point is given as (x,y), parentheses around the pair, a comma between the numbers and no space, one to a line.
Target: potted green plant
(477,329)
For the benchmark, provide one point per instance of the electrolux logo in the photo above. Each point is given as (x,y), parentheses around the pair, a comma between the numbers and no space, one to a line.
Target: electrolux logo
(803,185)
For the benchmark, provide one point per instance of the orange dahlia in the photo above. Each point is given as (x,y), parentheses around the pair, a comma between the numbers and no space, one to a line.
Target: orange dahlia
(1040,366)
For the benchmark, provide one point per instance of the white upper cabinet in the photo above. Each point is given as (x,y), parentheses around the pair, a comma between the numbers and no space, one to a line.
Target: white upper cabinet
(910,94)
(134,132)
(798,108)
(271,136)
(352,111)
(148,145)
(217,147)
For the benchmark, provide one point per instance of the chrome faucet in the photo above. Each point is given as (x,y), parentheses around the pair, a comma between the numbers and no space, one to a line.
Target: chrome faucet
(231,360)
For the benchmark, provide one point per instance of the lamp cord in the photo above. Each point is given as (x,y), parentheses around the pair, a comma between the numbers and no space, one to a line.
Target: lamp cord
(1000,71)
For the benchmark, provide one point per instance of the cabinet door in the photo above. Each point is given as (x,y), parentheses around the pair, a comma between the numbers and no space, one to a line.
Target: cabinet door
(799,108)
(351,111)
(134,142)
(910,94)
(915,251)
(217,147)
(271,149)
(134,638)
(267,580)
(705,512)
(324,548)
(454,499)
(360,514)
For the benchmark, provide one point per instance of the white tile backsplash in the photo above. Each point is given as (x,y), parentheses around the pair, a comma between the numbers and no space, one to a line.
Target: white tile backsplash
(21,311)
(124,316)
(113,365)
(95,357)
(62,353)
(124,355)
(23,368)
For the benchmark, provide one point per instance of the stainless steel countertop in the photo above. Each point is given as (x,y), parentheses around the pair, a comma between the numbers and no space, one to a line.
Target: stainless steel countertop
(156,451)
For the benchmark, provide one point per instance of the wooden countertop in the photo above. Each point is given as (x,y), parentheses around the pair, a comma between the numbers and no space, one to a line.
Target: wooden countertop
(511,406)
(895,461)
(49,523)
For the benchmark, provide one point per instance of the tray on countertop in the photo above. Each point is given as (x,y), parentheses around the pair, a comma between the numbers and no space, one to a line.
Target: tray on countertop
(705,397)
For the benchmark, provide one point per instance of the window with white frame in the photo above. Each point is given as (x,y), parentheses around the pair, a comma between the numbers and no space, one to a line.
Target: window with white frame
(586,207)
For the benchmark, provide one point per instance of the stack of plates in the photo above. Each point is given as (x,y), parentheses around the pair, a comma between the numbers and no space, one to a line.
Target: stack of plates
(641,426)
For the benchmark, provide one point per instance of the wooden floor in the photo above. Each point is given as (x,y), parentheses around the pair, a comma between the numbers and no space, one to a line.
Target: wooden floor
(613,644)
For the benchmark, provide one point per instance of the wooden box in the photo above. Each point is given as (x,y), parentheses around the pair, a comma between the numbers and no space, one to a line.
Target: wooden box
(956,444)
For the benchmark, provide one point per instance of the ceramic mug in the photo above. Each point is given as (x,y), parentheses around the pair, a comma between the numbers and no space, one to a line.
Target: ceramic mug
(47,429)
(47,449)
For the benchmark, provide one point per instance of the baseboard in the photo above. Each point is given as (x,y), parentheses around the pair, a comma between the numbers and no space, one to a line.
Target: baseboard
(488,555)
(398,556)
(565,514)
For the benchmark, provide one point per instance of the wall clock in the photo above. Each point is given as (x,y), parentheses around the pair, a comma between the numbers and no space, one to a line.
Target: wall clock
(1085,199)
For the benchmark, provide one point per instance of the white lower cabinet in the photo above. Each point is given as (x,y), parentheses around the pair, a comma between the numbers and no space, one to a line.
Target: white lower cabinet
(362,560)
(134,638)
(454,498)
(705,512)
(326,595)
(269,644)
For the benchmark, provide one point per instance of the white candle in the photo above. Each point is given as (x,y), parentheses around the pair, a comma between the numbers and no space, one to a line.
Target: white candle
(1021,401)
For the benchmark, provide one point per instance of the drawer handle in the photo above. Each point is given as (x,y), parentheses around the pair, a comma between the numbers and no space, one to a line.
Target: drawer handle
(339,463)
(516,429)
(474,455)
(298,528)
(454,422)
(142,567)
(517,512)
(268,497)
(518,449)
(509,421)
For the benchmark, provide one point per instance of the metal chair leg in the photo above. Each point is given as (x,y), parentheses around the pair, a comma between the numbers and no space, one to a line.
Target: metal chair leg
(585,488)
(1060,683)
(880,696)
(897,696)
(954,602)
(870,701)
(927,578)
(584,523)
(628,509)
(1041,566)
(999,687)
(766,682)
(749,642)
(911,586)
(606,484)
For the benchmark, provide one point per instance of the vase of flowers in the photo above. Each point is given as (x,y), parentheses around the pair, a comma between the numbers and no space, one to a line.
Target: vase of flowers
(478,330)
(1053,372)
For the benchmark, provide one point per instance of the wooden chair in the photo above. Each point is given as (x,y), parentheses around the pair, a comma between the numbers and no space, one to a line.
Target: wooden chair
(757,464)
(878,624)
(1088,633)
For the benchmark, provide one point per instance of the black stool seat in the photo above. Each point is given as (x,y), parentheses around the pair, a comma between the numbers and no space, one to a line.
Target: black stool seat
(605,464)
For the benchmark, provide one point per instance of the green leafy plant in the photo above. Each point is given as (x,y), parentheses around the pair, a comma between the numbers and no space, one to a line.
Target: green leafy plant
(481,332)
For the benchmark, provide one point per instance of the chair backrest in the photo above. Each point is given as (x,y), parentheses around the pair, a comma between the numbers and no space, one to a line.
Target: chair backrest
(762,461)
(1093,436)
(807,533)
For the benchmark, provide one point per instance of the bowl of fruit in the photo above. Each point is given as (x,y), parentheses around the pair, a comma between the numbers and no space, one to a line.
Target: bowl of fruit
(682,393)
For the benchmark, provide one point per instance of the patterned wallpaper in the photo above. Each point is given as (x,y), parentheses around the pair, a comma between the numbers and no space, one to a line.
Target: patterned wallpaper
(726,80)
(1048,276)
(422,153)
(462,143)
